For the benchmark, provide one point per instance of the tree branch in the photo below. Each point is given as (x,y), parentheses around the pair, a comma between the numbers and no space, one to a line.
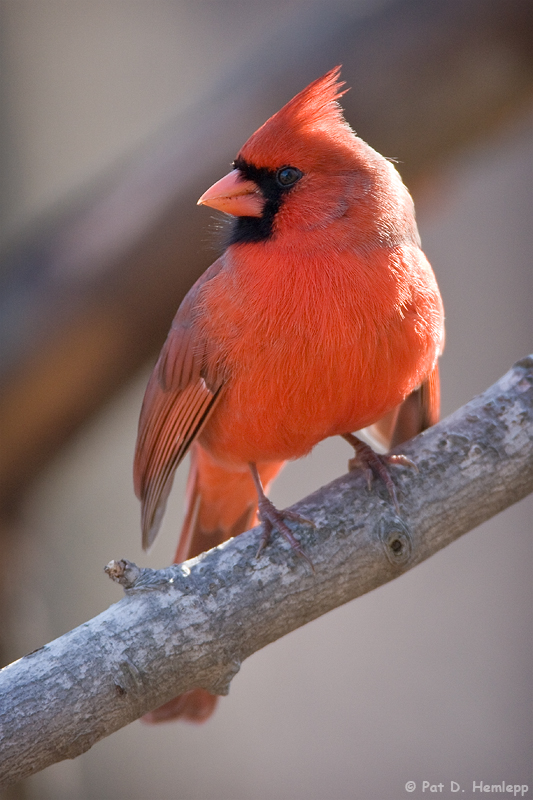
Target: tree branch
(193,624)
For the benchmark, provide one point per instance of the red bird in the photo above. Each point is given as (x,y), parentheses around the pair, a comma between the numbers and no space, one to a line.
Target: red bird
(321,317)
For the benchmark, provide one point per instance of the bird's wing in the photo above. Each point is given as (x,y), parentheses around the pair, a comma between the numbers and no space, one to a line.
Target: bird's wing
(181,394)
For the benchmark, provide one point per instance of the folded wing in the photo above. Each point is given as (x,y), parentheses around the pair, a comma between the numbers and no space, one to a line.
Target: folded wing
(181,395)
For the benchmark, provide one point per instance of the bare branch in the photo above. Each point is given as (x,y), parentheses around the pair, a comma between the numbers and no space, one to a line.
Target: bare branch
(193,624)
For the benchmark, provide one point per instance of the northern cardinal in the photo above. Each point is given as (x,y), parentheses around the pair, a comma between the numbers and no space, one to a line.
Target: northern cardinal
(321,317)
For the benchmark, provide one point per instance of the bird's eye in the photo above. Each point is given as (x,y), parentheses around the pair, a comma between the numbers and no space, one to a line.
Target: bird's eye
(286,176)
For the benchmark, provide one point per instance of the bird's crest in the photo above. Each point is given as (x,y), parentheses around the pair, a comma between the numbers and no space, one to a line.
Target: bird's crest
(314,109)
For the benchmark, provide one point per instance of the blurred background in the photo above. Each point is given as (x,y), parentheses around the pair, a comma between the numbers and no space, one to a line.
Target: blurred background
(116,115)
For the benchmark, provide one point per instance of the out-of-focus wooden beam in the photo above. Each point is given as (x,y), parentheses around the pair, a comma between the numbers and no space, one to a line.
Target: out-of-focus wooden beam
(89,295)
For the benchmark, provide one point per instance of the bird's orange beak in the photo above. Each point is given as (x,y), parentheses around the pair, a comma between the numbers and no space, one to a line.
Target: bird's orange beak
(234,195)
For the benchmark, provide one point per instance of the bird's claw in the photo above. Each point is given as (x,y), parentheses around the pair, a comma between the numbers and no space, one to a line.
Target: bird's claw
(272,518)
(292,515)
(376,465)
(401,461)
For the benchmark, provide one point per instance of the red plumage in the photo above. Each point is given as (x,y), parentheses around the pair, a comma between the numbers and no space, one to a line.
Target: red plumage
(321,317)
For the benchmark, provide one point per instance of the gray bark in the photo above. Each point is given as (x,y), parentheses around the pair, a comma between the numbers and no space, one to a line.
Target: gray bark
(193,624)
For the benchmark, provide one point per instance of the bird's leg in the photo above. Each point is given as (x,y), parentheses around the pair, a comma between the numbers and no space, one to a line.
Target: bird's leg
(272,518)
(375,464)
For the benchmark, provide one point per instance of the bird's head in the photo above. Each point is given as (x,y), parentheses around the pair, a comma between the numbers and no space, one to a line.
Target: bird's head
(304,170)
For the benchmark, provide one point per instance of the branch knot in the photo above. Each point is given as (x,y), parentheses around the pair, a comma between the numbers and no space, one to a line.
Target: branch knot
(396,540)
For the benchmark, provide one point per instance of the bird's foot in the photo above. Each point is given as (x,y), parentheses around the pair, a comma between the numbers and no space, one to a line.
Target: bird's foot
(271,518)
(376,465)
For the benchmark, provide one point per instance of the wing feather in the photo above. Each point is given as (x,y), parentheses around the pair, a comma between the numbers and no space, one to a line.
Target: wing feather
(177,404)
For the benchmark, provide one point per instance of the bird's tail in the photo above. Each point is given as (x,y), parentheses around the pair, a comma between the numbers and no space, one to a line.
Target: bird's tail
(419,410)
(221,503)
